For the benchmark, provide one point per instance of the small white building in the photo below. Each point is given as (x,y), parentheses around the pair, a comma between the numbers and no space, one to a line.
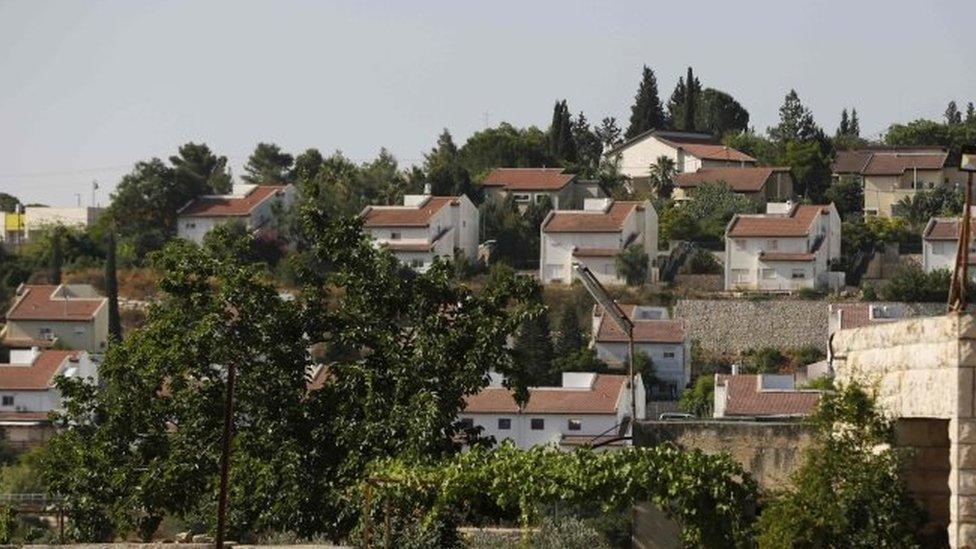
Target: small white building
(761,395)
(425,227)
(252,205)
(72,316)
(689,151)
(39,219)
(594,236)
(940,243)
(788,248)
(847,316)
(663,340)
(587,409)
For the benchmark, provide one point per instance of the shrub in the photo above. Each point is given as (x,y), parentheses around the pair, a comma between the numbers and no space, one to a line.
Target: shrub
(703,262)
(699,398)
(809,293)
(632,264)
(868,292)
(568,532)
(912,284)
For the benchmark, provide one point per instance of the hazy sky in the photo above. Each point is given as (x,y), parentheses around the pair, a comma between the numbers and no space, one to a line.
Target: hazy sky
(88,88)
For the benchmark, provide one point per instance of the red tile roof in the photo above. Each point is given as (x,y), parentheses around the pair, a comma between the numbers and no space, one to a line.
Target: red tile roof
(851,161)
(797,223)
(229,206)
(744,398)
(645,331)
(406,216)
(37,376)
(528,179)
(36,303)
(856,315)
(888,163)
(740,179)
(786,256)
(582,221)
(712,152)
(945,228)
(602,398)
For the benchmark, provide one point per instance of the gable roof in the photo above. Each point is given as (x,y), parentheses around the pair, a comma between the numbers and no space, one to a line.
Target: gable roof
(740,179)
(673,136)
(610,220)
(603,397)
(897,163)
(645,330)
(945,228)
(37,376)
(528,179)
(39,302)
(857,315)
(229,205)
(851,161)
(745,398)
(796,224)
(406,216)
(699,145)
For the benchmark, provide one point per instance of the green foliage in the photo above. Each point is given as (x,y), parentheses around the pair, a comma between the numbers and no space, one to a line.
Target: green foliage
(569,340)
(917,209)
(533,349)
(868,292)
(662,174)
(719,114)
(580,360)
(647,113)
(112,289)
(713,205)
(684,103)
(711,497)
(516,234)
(703,262)
(562,145)
(795,121)
(912,284)
(445,171)
(849,491)
(268,164)
(566,533)
(810,163)
(508,146)
(766,151)
(764,360)
(847,195)
(8,202)
(823,383)
(632,265)
(677,223)
(929,133)
(700,398)
(199,169)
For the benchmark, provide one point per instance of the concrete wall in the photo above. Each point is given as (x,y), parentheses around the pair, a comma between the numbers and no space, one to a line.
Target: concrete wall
(737,325)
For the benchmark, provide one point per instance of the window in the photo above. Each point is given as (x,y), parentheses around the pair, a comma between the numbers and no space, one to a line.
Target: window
(574,425)
(467,423)
(394,236)
(539,198)
(772,244)
(79,331)
(768,274)
(740,275)
(520,197)
(668,354)
(416,263)
(504,424)
(46,333)
(8,400)
(191,225)
(799,273)
(537,424)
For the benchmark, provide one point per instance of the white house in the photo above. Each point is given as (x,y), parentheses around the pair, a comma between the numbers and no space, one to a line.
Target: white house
(594,236)
(72,316)
(786,249)
(587,409)
(28,393)
(425,227)
(38,219)
(252,205)
(940,243)
(762,395)
(689,151)
(533,185)
(761,184)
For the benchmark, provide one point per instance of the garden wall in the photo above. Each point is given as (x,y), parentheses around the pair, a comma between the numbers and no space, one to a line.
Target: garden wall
(735,325)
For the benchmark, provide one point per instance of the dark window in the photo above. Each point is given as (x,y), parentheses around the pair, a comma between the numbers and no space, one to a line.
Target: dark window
(504,424)
(575,425)
(538,424)
(467,423)
(8,400)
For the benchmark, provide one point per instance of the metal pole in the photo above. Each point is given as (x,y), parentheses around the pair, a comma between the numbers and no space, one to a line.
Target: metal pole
(225,455)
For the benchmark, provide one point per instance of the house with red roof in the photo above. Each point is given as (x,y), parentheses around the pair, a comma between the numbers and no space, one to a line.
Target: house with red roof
(533,185)
(690,152)
(586,409)
(786,249)
(72,316)
(594,236)
(762,395)
(940,244)
(761,184)
(252,205)
(656,335)
(425,227)
(28,393)
(890,174)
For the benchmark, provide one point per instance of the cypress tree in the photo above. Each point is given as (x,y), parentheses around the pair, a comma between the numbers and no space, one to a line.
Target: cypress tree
(56,256)
(970,113)
(690,100)
(845,124)
(647,113)
(562,147)
(676,104)
(855,127)
(952,114)
(533,349)
(112,289)
(570,338)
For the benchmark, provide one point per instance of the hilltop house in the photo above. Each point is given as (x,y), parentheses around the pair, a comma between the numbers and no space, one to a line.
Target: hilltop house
(663,340)
(39,219)
(689,151)
(940,243)
(786,249)
(759,183)
(588,408)
(889,175)
(532,185)
(252,205)
(594,236)
(28,393)
(73,316)
(425,227)
(762,395)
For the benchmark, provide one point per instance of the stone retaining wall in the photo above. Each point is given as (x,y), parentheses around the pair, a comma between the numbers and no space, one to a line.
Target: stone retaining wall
(735,325)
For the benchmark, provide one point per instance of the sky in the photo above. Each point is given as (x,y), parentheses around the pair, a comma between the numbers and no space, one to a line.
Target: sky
(89,88)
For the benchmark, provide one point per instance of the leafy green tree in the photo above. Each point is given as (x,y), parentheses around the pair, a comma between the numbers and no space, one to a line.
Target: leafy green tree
(632,265)
(583,359)
(719,114)
(795,121)
(268,164)
(757,146)
(952,114)
(914,285)
(922,133)
(144,206)
(942,200)
(112,290)
(662,174)
(647,112)
(699,398)
(508,146)
(703,262)
(569,340)
(847,195)
(970,113)
(855,127)
(562,145)
(608,133)
(713,205)
(307,166)
(515,234)
(199,171)
(589,147)
(845,124)
(849,491)
(533,349)
(8,202)
(692,89)
(810,165)
(677,223)
(445,172)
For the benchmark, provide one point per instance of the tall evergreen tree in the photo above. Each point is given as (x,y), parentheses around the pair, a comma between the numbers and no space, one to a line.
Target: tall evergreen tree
(688,91)
(199,171)
(589,147)
(647,112)
(533,349)
(444,171)
(676,104)
(569,340)
(691,100)
(952,114)
(562,147)
(845,124)
(970,113)
(795,121)
(608,132)
(112,289)
(268,164)
(57,257)
(855,127)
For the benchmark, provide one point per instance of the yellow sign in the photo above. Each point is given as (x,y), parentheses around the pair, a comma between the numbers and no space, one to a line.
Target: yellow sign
(13,222)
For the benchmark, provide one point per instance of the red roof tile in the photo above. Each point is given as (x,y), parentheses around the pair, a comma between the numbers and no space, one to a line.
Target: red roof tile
(602,398)
(945,228)
(645,331)
(229,206)
(582,221)
(739,179)
(713,152)
(744,398)
(797,223)
(37,376)
(851,161)
(406,216)
(36,303)
(888,163)
(528,179)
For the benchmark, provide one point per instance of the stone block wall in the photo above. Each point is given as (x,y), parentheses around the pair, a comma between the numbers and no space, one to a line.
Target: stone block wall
(735,325)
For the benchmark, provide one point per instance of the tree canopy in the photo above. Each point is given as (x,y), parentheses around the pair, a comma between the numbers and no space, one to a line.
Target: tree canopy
(647,113)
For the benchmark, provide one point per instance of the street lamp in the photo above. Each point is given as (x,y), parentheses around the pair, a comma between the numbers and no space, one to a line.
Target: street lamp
(614,311)
(960,275)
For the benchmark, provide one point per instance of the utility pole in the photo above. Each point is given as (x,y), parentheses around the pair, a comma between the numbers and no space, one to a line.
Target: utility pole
(960,274)
(225,455)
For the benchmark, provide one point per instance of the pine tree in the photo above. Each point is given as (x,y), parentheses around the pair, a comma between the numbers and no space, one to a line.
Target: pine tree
(845,124)
(855,127)
(112,289)
(570,337)
(562,147)
(970,113)
(533,349)
(647,112)
(676,104)
(56,256)
(268,164)
(608,132)
(795,121)
(952,114)
(691,98)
